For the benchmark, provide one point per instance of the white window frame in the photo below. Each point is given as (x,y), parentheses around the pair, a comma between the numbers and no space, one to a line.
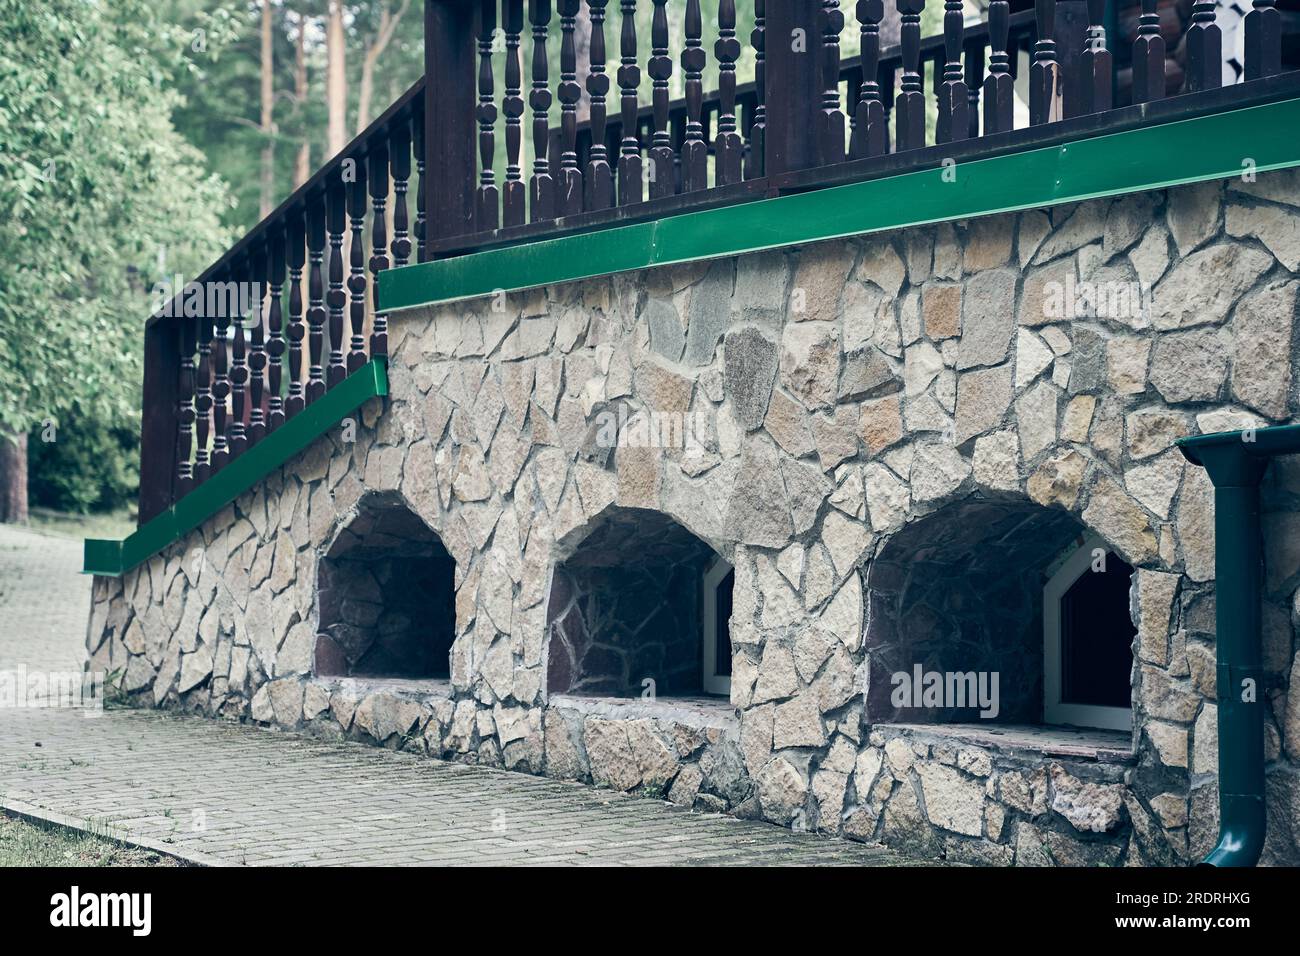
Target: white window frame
(714,683)
(1056,711)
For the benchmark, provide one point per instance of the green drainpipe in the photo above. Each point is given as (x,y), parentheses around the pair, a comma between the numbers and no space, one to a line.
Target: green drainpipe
(1235,462)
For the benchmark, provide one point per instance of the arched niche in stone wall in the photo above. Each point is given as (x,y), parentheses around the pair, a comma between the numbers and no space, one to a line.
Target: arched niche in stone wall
(386,597)
(988,611)
(639,599)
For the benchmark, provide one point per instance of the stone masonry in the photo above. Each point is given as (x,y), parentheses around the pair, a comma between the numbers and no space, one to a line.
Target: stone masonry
(844,392)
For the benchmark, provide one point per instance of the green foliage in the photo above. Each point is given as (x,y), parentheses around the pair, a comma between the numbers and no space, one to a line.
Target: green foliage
(84,464)
(218,105)
(102,197)
(98,189)
(220,97)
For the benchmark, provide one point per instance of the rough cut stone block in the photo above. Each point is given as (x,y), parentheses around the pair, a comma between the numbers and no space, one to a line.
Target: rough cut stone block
(988,318)
(983,397)
(750,363)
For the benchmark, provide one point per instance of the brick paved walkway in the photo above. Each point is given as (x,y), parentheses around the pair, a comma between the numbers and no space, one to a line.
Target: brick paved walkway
(225,793)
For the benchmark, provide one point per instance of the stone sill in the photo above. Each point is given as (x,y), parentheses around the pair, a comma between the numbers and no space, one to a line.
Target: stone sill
(1080,743)
(698,712)
(433,688)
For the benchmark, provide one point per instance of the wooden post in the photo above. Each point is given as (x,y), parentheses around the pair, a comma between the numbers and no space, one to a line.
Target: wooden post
(1071,38)
(909,107)
(158,416)
(1095,65)
(999,85)
(450,32)
(1045,70)
(792,49)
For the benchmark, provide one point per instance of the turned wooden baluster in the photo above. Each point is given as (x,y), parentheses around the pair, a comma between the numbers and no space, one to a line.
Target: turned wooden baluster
(297,328)
(629,77)
(275,325)
(336,298)
(514,196)
(1044,72)
(316,295)
(203,403)
(487,198)
(185,413)
(695,153)
(954,102)
(830,132)
(239,368)
(663,161)
(599,187)
(870,136)
(1204,45)
(728,147)
(421,224)
(909,108)
(999,85)
(357,267)
(257,355)
(541,185)
(1095,63)
(569,187)
(1148,56)
(974,78)
(1263,40)
(401,165)
(221,388)
(378,242)
(758,129)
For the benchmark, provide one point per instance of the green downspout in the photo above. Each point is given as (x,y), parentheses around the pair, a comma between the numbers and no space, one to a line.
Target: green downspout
(1235,462)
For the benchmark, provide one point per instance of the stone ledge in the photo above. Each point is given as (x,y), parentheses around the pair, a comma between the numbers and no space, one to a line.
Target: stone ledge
(437,688)
(696,712)
(1103,746)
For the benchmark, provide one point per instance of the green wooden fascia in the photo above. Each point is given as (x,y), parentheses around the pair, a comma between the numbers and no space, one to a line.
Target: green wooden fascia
(114,558)
(1214,146)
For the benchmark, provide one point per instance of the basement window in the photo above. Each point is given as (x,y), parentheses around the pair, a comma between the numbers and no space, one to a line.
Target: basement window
(1088,639)
(386,598)
(719,581)
(989,612)
(641,608)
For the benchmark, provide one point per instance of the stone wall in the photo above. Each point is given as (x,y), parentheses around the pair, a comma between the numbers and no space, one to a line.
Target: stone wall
(844,392)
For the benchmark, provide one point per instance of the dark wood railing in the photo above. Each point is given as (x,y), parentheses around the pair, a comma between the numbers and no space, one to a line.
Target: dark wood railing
(808,108)
(282,317)
(219,381)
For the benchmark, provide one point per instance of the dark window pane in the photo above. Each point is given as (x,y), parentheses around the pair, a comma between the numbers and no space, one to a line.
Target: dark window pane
(722,625)
(1097,637)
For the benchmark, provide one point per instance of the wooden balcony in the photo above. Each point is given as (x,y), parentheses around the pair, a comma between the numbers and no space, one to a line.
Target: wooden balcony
(219,382)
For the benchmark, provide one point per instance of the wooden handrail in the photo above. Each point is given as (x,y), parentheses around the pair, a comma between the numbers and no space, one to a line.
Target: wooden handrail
(225,371)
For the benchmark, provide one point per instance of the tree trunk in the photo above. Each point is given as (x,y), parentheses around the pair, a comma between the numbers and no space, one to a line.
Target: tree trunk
(13,478)
(302,166)
(336,89)
(268,106)
(365,93)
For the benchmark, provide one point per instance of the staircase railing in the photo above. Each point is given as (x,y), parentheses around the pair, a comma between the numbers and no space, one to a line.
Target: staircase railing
(284,316)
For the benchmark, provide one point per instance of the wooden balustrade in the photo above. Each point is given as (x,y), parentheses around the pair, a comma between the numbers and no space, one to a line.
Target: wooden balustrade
(725,141)
(220,381)
(233,359)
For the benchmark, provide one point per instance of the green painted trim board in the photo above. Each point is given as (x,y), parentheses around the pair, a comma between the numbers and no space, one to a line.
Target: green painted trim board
(1153,157)
(113,558)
